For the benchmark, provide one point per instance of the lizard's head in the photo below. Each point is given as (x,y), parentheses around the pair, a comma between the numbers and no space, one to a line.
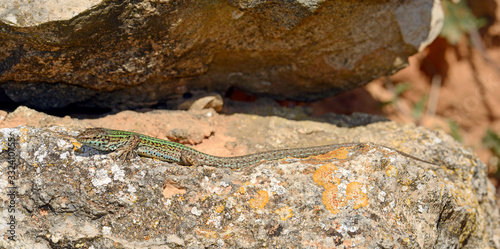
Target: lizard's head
(98,138)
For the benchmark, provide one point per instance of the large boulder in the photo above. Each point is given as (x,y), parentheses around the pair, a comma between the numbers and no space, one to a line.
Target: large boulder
(120,54)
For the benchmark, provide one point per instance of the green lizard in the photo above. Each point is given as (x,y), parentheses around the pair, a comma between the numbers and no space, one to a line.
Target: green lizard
(126,143)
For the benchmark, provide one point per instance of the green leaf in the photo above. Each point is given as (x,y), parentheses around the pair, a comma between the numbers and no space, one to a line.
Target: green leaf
(419,107)
(492,141)
(399,89)
(455,130)
(458,20)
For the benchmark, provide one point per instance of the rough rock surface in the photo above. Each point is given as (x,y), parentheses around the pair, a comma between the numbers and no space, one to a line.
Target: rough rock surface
(31,13)
(122,54)
(73,196)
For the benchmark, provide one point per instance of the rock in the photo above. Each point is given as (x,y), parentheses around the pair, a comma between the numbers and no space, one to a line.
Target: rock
(366,196)
(123,54)
(213,101)
(32,13)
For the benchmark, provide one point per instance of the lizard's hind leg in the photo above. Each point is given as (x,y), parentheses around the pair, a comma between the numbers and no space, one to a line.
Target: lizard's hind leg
(127,151)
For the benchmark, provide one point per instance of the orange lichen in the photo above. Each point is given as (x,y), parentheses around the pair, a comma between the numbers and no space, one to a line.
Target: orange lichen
(156,223)
(325,175)
(23,138)
(391,171)
(332,199)
(260,201)
(219,209)
(335,154)
(207,233)
(354,192)
(333,202)
(285,213)
(338,154)
(76,145)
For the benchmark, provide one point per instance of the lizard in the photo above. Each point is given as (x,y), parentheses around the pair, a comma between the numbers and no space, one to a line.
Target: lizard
(127,144)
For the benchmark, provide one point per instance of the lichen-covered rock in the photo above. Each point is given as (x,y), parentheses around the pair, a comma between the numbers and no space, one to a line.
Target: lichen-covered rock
(72,196)
(122,54)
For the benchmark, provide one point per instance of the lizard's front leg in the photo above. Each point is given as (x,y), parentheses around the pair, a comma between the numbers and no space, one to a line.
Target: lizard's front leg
(189,159)
(127,151)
